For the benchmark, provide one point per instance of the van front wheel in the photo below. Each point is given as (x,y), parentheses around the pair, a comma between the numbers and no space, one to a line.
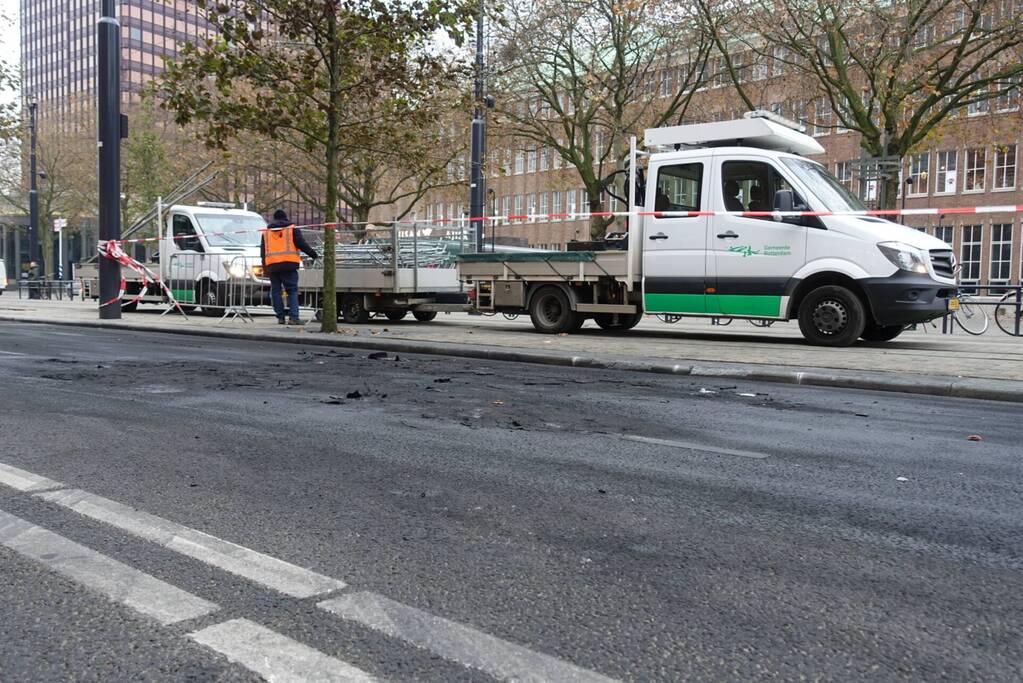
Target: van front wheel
(832,316)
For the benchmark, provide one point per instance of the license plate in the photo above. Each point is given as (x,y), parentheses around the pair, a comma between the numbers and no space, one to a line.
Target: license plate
(953,304)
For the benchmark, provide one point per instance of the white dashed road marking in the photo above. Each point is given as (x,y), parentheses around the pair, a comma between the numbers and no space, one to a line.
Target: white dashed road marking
(140,591)
(273,656)
(25,481)
(263,569)
(456,642)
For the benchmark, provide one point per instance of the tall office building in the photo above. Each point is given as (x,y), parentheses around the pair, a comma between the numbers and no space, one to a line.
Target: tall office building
(58,51)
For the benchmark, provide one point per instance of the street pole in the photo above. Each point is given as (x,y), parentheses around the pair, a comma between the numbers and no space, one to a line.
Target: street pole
(33,191)
(108,78)
(477,189)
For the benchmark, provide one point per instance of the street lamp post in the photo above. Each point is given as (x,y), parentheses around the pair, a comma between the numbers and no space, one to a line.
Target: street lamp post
(108,67)
(477,183)
(33,190)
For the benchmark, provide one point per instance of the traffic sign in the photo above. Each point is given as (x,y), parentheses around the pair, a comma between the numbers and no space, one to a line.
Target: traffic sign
(59,224)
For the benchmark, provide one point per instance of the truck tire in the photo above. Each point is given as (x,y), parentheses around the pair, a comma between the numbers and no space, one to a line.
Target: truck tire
(551,312)
(424,316)
(832,316)
(617,321)
(881,333)
(395,316)
(353,310)
(212,298)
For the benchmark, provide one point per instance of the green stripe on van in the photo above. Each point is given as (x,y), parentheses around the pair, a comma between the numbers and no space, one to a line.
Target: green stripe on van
(768,306)
(184,296)
(676,303)
(748,304)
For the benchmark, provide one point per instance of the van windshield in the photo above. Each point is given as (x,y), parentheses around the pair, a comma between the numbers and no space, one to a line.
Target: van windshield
(824,186)
(214,225)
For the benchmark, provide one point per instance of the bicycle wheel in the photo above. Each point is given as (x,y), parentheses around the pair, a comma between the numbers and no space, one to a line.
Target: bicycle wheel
(972,318)
(510,316)
(1005,315)
(668,318)
(761,322)
(721,322)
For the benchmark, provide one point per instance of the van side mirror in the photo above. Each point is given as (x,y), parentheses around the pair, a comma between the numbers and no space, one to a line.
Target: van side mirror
(784,200)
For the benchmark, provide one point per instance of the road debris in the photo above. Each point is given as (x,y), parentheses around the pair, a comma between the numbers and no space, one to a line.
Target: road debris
(975,437)
(901,479)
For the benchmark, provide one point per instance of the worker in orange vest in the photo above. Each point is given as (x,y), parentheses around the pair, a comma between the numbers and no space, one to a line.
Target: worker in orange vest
(281,253)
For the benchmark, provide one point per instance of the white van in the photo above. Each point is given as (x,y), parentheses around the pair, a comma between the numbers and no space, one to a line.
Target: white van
(695,250)
(3,276)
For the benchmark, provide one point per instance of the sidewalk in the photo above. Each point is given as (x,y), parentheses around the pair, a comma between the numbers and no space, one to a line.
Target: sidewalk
(989,366)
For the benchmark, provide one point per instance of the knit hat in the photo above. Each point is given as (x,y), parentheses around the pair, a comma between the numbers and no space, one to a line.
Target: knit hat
(280,215)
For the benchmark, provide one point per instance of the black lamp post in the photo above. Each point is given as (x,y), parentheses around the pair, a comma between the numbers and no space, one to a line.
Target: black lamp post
(33,189)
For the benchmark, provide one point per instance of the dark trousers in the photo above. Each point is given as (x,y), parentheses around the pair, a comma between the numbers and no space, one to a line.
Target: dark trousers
(288,281)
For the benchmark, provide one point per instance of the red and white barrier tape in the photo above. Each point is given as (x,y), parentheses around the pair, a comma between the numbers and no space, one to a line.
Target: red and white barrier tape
(113,250)
(534,217)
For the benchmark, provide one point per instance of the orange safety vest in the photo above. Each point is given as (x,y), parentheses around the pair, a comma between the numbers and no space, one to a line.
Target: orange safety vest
(280,246)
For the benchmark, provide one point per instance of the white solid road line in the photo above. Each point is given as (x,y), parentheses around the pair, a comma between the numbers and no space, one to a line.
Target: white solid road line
(25,481)
(121,583)
(693,446)
(454,641)
(275,657)
(263,569)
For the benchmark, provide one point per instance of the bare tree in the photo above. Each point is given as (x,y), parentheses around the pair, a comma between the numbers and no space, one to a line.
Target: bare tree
(892,71)
(579,77)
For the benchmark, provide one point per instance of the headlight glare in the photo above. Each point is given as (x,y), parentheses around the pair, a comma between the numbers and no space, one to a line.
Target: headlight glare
(904,257)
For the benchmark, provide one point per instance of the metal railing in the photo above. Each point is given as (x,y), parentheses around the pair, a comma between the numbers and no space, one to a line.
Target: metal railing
(47,289)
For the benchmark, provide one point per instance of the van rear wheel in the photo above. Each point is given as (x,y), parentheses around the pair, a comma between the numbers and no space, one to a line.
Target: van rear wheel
(617,321)
(832,316)
(551,312)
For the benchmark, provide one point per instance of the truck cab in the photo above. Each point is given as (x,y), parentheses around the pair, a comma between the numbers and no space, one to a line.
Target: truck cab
(210,251)
(745,225)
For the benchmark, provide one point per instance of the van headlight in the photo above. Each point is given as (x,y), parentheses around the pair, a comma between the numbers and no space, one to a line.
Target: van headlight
(904,256)
(236,270)
(257,271)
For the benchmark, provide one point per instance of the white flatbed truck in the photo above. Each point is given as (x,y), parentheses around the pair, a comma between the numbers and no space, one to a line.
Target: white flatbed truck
(843,277)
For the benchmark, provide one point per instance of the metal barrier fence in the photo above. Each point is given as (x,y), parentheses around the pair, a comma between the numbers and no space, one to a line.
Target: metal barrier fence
(47,289)
(218,284)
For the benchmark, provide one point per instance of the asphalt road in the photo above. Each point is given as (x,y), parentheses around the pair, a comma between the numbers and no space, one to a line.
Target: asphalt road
(175,508)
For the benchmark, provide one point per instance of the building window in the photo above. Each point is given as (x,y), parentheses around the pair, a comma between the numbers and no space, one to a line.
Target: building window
(667,82)
(556,206)
(1001,255)
(945,178)
(518,205)
(978,107)
(919,165)
(531,160)
(844,173)
(544,204)
(976,161)
(545,158)
(520,163)
(506,206)
(1008,95)
(969,256)
(530,204)
(945,234)
(570,201)
(822,112)
(1005,167)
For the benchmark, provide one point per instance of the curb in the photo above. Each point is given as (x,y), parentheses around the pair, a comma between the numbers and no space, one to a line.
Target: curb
(954,387)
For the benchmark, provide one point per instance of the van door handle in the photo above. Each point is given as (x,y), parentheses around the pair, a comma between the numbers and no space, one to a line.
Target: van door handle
(659,236)
(727,235)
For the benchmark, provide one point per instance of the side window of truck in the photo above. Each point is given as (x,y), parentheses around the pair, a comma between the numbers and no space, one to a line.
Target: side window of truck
(751,186)
(184,234)
(679,188)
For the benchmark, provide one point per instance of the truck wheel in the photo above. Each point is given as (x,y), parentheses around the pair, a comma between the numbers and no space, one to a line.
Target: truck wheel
(424,316)
(881,333)
(617,321)
(212,298)
(353,311)
(395,316)
(551,312)
(832,316)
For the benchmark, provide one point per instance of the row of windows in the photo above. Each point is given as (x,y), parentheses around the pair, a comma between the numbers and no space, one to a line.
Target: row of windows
(973,170)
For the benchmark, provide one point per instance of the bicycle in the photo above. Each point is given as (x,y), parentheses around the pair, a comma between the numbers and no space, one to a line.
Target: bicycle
(669,318)
(1007,315)
(970,316)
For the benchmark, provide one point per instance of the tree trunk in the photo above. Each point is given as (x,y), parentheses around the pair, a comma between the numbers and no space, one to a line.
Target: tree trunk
(360,217)
(329,294)
(598,224)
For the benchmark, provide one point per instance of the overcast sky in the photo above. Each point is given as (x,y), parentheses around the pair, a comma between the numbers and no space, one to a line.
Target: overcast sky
(10,49)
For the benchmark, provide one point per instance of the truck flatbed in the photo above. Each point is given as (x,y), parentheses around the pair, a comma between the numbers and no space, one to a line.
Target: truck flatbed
(575,266)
